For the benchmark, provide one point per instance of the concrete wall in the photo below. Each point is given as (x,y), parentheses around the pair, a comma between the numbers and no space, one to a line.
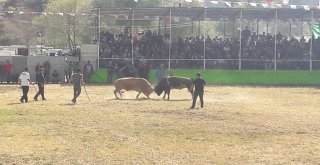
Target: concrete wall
(89,52)
(56,63)
(21,62)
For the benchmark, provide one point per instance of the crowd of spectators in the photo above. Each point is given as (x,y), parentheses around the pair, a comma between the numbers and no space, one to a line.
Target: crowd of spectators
(258,51)
(5,72)
(8,76)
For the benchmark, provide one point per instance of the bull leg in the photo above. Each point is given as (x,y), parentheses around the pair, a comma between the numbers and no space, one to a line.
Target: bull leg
(115,93)
(191,92)
(146,95)
(137,95)
(164,96)
(168,94)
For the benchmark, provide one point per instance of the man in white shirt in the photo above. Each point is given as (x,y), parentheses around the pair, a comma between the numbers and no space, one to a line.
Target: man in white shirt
(24,81)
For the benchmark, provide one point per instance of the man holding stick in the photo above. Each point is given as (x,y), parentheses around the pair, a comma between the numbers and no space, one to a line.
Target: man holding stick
(77,80)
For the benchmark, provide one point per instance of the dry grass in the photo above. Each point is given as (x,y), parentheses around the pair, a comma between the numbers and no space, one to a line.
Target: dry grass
(239,125)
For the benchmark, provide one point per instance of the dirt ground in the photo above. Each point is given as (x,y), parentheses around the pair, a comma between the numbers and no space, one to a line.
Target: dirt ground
(239,125)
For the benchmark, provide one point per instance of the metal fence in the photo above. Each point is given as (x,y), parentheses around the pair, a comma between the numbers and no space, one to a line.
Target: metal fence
(241,53)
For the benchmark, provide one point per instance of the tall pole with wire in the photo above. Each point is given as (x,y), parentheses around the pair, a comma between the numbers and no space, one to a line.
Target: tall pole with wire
(311,43)
(170,40)
(240,49)
(204,39)
(99,37)
(275,40)
(132,36)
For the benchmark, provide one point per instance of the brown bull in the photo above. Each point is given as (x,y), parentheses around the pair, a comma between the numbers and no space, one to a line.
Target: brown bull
(132,84)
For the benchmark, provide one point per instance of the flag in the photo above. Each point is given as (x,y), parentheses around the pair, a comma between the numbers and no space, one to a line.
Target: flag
(228,4)
(306,7)
(293,6)
(241,4)
(253,4)
(315,29)
(264,5)
(215,2)
(279,5)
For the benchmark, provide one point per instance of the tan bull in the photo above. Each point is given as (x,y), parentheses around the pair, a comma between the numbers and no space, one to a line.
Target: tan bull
(132,84)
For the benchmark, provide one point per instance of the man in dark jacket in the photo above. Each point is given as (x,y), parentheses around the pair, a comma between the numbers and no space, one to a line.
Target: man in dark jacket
(77,80)
(40,79)
(198,84)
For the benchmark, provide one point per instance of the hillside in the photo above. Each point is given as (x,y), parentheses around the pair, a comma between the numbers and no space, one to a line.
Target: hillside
(13,29)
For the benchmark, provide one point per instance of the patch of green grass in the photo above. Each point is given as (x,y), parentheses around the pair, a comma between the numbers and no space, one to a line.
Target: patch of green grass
(5,112)
(235,77)
(5,115)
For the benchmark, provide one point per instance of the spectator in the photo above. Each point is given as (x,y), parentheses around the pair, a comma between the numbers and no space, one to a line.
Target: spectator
(279,36)
(110,69)
(246,34)
(69,68)
(46,66)
(2,72)
(161,72)
(55,77)
(257,49)
(8,71)
(38,66)
(87,71)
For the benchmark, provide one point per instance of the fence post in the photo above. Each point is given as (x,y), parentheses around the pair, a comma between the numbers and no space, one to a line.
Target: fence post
(275,40)
(204,39)
(311,43)
(170,40)
(99,37)
(240,49)
(132,36)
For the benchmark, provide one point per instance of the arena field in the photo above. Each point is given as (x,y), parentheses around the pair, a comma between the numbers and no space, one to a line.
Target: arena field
(239,125)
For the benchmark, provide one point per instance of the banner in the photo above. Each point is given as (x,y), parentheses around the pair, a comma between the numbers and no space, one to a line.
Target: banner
(315,29)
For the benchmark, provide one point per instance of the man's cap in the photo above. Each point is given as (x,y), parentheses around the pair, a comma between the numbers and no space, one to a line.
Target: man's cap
(26,69)
(198,74)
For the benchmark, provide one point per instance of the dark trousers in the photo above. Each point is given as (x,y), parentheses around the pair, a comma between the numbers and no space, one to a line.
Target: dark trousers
(46,75)
(195,96)
(2,77)
(86,77)
(76,92)
(25,90)
(8,77)
(40,92)
(109,78)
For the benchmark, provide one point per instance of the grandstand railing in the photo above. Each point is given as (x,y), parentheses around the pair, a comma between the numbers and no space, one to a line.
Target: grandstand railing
(221,63)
